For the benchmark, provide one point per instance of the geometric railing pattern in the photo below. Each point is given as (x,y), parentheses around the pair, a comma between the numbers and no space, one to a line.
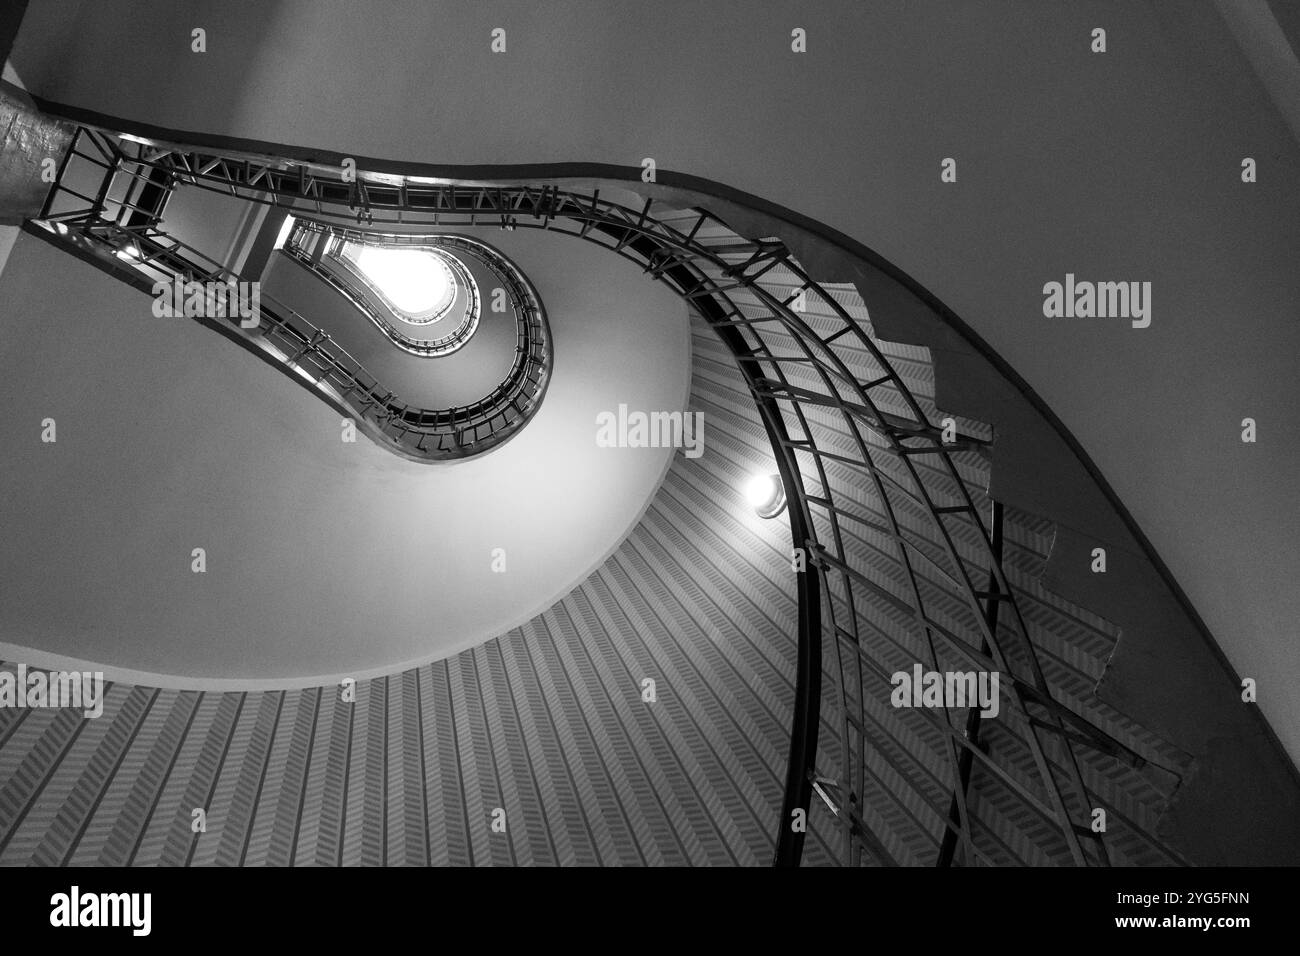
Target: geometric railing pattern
(118,227)
(918,565)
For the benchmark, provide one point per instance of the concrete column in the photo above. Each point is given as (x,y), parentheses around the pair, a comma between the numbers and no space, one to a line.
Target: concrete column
(27,139)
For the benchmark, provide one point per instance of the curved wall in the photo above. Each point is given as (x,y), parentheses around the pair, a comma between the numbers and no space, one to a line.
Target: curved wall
(324,558)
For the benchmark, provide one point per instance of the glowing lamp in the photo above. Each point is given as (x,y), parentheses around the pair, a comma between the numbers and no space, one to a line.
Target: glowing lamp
(766,495)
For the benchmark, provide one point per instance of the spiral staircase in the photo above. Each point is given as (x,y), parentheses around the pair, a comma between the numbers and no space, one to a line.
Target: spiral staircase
(938,515)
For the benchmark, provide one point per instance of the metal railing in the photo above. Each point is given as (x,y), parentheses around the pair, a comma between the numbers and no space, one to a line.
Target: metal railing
(125,236)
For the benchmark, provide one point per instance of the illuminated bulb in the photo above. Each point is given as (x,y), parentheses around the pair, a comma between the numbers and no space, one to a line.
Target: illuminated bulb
(61,229)
(766,495)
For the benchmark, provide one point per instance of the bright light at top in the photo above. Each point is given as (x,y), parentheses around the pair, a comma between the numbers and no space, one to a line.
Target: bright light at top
(412,279)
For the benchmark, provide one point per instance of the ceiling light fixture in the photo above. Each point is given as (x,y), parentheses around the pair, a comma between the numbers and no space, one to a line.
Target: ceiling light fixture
(766,495)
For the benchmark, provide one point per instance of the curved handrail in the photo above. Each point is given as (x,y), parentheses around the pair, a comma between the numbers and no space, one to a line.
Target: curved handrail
(294,343)
(301,348)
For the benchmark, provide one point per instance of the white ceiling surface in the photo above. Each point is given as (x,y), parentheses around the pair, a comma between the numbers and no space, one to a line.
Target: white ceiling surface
(1115,166)
(324,559)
